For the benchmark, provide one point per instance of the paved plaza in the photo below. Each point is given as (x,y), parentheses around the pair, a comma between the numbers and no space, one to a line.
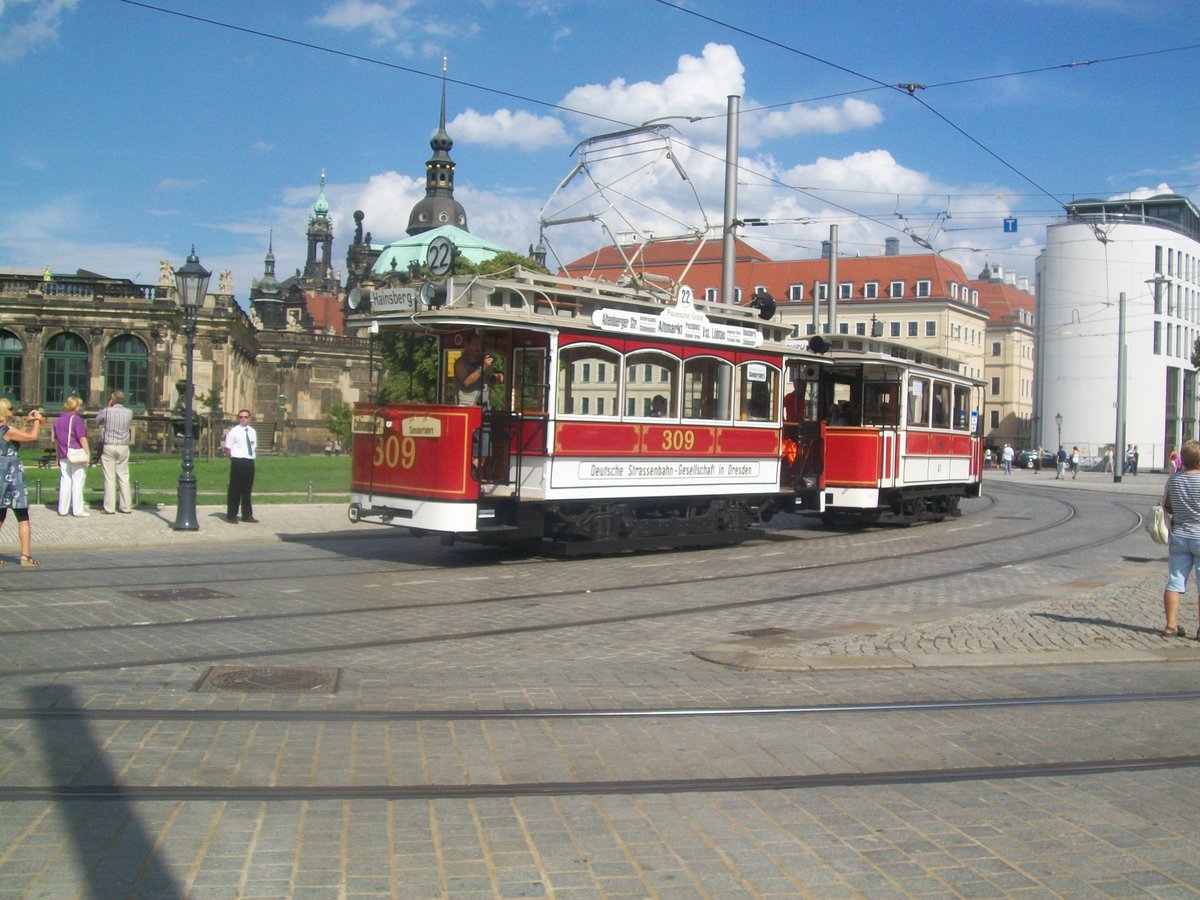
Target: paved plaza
(394,781)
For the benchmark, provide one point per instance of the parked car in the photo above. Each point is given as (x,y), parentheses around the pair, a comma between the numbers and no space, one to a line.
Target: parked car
(1026,457)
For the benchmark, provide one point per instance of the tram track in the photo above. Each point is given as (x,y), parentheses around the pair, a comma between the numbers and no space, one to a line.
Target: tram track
(624,788)
(871,775)
(889,582)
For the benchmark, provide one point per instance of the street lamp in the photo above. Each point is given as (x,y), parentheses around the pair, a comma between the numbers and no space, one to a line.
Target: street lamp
(1058,422)
(1121,364)
(191,284)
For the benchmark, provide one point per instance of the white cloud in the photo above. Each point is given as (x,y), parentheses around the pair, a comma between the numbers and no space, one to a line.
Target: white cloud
(800,119)
(698,87)
(381,19)
(504,128)
(25,25)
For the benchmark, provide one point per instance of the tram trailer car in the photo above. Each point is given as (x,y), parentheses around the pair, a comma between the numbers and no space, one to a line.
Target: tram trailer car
(611,418)
(902,436)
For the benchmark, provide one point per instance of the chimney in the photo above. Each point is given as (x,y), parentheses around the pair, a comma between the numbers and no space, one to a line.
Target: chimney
(891,247)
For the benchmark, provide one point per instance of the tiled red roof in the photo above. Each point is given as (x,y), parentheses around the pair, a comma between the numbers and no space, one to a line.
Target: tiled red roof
(777,276)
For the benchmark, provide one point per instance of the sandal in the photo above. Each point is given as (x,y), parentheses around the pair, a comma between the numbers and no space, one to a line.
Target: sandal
(1177,631)
(28,561)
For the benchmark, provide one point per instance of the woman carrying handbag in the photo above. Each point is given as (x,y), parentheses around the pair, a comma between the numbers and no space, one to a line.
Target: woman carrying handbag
(1182,502)
(70,439)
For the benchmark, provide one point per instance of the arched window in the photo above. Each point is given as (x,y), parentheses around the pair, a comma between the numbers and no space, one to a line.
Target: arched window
(706,388)
(11,352)
(126,368)
(66,369)
(588,381)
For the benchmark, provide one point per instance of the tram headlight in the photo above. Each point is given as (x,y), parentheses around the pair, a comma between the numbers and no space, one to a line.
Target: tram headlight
(433,294)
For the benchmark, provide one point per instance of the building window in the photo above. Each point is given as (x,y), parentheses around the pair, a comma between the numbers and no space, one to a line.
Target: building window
(954,290)
(822,290)
(11,352)
(995,418)
(843,327)
(587,372)
(845,290)
(66,369)
(871,290)
(924,288)
(796,292)
(737,295)
(127,368)
(810,328)
(995,387)
(896,289)
(995,348)
(931,328)
(710,294)
(860,328)
(895,329)
(913,329)
(1168,339)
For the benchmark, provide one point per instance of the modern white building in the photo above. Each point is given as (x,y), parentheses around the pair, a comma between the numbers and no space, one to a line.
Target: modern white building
(1148,252)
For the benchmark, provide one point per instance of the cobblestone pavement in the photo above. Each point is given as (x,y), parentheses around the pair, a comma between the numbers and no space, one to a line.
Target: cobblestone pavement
(1118,833)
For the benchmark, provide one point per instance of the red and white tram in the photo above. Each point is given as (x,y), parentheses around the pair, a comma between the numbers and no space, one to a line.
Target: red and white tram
(900,432)
(615,418)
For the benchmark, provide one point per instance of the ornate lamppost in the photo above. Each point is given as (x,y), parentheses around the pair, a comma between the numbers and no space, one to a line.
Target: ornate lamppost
(191,283)
(1058,422)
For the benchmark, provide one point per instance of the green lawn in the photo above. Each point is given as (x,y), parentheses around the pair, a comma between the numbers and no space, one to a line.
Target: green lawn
(277,479)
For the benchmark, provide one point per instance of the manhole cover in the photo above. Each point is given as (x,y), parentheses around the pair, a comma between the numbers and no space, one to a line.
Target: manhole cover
(269,680)
(167,594)
(762,632)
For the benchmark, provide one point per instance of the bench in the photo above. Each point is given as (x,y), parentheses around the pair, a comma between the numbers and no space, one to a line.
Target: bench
(49,459)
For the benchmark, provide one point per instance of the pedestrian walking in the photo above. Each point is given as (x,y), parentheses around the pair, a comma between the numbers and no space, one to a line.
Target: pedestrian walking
(241,443)
(12,475)
(1060,463)
(115,425)
(1108,459)
(71,445)
(1074,463)
(1135,459)
(1181,500)
(1006,456)
(1037,460)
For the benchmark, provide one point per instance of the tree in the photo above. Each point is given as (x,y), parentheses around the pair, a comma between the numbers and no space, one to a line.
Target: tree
(411,360)
(209,419)
(338,421)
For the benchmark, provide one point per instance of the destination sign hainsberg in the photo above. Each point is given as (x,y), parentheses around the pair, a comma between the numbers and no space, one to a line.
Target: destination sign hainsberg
(394,300)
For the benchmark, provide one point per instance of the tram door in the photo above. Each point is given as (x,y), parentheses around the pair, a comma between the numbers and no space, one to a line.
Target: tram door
(881,410)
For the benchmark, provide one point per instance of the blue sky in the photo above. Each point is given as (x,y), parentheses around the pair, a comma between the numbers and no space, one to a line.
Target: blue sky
(131,133)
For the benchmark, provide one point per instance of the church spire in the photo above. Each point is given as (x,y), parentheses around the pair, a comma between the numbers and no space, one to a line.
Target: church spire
(438,207)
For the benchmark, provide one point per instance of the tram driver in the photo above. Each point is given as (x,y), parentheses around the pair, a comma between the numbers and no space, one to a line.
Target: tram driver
(473,372)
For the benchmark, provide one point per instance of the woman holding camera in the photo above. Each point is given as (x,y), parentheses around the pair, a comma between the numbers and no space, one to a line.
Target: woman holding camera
(12,475)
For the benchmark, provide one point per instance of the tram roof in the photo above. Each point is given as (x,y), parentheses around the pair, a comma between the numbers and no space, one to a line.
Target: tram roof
(855,349)
(526,299)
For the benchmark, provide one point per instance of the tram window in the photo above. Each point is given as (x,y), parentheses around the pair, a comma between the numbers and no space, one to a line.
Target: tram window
(881,404)
(658,375)
(757,392)
(706,388)
(962,408)
(577,393)
(941,404)
(918,401)
(529,380)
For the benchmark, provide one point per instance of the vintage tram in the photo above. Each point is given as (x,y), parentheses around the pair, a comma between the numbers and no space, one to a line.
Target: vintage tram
(611,417)
(900,435)
(583,416)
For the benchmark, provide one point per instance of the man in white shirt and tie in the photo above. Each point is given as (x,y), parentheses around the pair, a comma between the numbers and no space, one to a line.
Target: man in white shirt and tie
(241,444)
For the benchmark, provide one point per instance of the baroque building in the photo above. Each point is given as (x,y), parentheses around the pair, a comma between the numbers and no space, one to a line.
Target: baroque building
(286,359)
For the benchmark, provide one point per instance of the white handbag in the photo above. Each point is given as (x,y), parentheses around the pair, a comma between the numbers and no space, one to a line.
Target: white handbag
(1156,525)
(76,455)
